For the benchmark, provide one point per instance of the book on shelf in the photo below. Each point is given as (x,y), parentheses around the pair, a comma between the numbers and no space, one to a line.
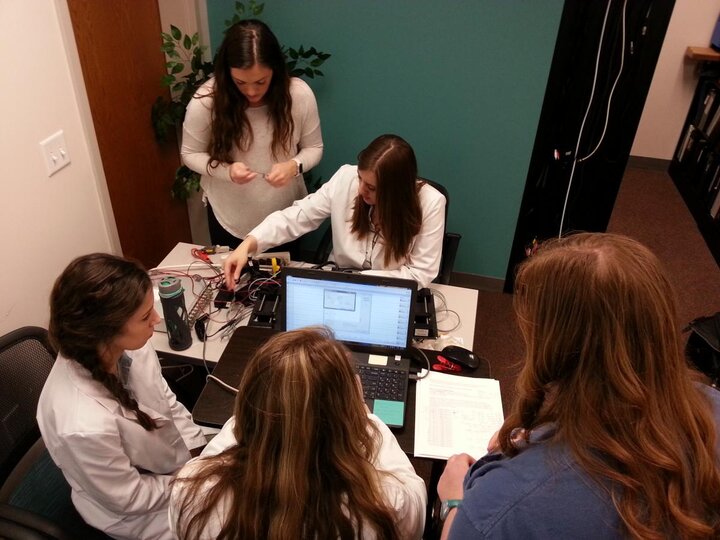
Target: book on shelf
(707,107)
(712,127)
(682,150)
(695,155)
(711,178)
(715,208)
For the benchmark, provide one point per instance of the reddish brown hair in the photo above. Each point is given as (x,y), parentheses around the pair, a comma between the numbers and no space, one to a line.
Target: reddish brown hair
(604,362)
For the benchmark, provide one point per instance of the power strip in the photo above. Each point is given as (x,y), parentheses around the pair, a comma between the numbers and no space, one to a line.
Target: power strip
(202,302)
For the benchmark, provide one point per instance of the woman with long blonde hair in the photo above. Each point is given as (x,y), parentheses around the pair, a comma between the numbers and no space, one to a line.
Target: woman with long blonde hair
(612,435)
(301,457)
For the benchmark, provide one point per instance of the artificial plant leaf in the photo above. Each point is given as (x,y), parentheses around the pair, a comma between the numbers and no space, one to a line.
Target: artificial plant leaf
(176,33)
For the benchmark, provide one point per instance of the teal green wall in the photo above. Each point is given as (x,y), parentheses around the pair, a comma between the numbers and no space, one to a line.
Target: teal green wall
(462,81)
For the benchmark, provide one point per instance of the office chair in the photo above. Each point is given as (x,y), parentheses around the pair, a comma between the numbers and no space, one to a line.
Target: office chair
(26,359)
(34,497)
(451,242)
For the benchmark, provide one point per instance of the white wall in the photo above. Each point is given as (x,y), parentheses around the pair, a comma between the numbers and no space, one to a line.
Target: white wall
(673,85)
(44,222)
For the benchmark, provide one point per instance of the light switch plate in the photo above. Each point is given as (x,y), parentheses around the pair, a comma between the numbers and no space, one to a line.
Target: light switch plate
(55,152)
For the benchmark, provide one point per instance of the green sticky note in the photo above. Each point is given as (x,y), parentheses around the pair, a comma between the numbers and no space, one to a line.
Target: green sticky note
(390,412)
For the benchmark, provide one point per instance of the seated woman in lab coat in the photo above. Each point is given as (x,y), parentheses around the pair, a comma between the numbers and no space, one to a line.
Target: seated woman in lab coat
(301,458)
(107,417)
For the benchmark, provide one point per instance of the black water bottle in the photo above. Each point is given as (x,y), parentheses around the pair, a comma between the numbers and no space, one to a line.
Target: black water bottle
(172,298)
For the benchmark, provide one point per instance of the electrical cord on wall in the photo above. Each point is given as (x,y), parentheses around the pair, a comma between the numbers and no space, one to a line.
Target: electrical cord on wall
(582,125)
(612,90)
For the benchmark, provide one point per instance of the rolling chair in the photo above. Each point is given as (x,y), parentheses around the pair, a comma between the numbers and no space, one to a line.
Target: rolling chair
(451,242)
(34,496)
(26,359)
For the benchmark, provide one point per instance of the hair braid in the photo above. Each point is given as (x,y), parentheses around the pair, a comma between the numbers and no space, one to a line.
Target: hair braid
(119,392)
(116,389)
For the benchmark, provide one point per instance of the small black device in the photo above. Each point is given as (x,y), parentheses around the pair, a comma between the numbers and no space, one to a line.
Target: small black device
(265,310)
(224,298)
(201,328)
(425,326)
(461,356)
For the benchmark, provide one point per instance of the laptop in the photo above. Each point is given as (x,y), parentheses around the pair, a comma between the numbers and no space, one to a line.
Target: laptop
(372,315)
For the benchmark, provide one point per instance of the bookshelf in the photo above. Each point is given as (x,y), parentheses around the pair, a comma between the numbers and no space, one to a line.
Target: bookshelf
(695,167)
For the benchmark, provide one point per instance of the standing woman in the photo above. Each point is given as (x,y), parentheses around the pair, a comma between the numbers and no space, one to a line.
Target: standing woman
(612,435)
(301,458)
(250,131)
(106,414)
(385,221)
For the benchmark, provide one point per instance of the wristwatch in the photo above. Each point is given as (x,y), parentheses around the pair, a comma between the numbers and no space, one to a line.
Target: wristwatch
(448,505)
(299,166)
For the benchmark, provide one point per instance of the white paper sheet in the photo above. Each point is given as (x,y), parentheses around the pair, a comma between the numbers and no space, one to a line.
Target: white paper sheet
(455,414)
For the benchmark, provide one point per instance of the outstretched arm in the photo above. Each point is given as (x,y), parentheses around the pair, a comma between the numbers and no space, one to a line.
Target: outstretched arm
(237,260)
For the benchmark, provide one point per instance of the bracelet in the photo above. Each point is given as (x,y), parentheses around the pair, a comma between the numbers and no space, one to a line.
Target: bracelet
(448,505)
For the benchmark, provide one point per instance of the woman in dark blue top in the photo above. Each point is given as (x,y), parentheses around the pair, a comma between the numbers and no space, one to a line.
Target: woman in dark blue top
(611,435)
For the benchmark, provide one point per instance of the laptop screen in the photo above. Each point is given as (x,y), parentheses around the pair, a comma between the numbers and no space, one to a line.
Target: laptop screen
(365,312)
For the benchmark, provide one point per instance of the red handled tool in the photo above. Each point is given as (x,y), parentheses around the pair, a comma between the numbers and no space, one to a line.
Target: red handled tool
(446,365)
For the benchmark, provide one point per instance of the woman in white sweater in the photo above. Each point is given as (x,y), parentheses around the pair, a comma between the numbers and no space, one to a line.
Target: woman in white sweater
(301,457)
(250,131)
(384,220)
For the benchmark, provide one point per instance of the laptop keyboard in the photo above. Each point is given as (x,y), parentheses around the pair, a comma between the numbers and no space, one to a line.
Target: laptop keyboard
(383,382)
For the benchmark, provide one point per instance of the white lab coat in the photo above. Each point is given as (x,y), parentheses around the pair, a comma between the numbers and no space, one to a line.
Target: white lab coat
(336,200)
(403,490)
(119,473)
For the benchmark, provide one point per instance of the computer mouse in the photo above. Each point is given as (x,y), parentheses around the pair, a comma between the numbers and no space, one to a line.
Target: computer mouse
(461,356)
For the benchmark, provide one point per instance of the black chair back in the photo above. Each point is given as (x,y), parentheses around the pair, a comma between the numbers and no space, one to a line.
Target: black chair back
(26,359)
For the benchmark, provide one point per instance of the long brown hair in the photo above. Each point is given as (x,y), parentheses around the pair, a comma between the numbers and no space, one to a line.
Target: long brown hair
(89,305)
(246,44)
(604,362)
(302,466)
(393,162)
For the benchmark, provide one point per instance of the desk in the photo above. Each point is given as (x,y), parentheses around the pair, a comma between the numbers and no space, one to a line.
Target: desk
(461,301)
(215,404)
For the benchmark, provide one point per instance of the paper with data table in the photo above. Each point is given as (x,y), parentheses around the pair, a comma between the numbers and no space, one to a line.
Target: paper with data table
(455,414)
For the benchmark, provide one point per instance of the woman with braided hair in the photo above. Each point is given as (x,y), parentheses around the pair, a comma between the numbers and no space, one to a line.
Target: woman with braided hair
(107,417)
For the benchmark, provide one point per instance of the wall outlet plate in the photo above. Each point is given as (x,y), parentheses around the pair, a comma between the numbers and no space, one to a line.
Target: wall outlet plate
(55,153)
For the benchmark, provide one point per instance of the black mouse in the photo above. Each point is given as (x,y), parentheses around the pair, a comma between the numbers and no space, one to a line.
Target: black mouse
(461,356)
